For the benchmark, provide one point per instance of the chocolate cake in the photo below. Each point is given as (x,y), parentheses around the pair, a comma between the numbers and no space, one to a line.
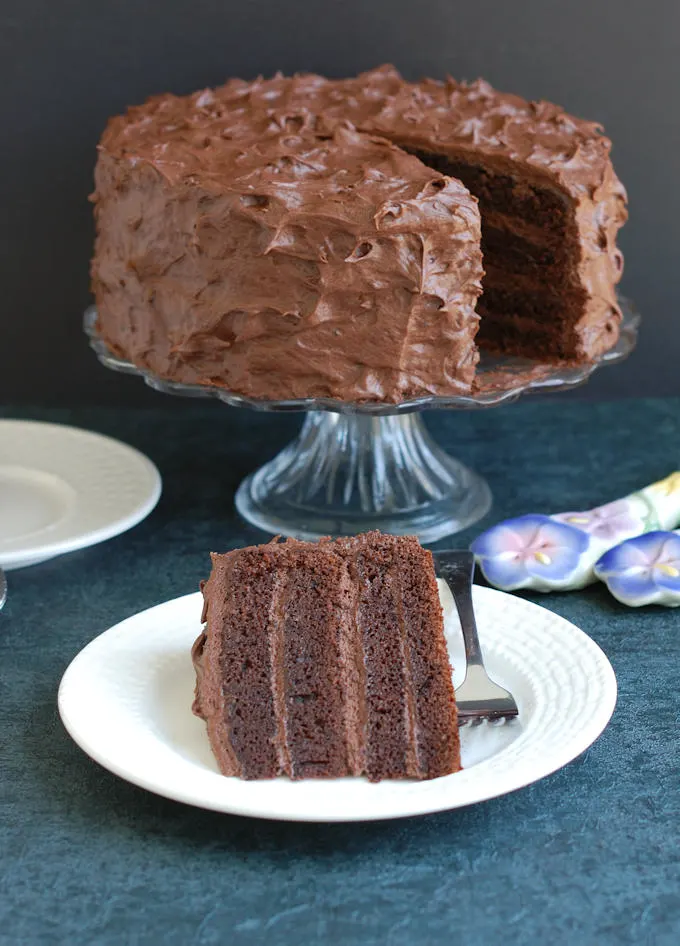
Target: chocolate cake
(305,237)
(326,659)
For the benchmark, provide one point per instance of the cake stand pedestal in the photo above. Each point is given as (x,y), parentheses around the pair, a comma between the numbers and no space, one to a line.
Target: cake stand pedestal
(355,467)
(345,474)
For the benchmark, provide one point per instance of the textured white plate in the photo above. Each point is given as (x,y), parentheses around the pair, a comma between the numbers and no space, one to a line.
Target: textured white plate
(63,489)
(126,700)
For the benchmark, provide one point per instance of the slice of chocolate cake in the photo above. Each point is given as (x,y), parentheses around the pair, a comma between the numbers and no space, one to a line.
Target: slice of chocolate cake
(327,659)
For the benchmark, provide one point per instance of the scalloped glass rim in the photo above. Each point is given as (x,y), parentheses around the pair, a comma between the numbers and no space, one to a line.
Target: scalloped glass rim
(512,371)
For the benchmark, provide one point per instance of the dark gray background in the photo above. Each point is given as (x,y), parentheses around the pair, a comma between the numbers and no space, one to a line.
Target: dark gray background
(66,65)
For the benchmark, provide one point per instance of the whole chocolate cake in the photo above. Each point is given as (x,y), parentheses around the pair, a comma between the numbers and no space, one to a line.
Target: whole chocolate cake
(261,238)
(326,659)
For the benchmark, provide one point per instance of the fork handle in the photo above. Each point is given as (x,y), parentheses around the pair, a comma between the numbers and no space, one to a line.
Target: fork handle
(458,576)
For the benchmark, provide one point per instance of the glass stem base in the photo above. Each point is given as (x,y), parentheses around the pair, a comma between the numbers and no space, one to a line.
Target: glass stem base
(346,474)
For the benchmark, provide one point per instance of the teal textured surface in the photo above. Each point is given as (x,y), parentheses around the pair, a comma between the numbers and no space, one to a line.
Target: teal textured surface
(591,853)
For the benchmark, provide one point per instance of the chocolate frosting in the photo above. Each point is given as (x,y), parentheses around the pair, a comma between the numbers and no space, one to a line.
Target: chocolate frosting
(266,236)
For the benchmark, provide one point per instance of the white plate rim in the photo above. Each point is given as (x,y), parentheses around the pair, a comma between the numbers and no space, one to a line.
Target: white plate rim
(560,757)
(35,552)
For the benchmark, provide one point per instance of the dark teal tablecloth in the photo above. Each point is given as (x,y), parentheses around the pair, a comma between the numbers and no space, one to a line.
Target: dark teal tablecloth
(589,855)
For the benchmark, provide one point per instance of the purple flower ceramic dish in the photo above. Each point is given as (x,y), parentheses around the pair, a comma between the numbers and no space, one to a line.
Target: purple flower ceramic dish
(643,570)
(616,521)
(559,552)
(528,551)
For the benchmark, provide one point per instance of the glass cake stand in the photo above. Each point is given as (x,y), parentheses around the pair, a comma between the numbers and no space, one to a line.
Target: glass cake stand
(355,467)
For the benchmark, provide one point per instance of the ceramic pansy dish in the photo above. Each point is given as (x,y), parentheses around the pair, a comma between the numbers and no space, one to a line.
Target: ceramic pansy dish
(627,544)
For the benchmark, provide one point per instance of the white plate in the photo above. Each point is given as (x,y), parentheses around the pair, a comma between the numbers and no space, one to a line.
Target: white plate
(126,700)
(62,489)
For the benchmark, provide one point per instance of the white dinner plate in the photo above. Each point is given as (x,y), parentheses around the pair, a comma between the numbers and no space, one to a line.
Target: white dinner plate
(126,700)
(62,489)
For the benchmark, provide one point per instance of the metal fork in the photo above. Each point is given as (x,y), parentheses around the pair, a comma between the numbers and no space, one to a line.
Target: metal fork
(478,697)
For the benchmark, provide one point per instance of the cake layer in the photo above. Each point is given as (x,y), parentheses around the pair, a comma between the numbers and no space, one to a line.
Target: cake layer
(312,600)
(510,334)
(519,256)
(526,329)
(429,691)
(235,692)
(526,233)
(500,275)
(327,659)
(389,731)
(543,308)
(408,697)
